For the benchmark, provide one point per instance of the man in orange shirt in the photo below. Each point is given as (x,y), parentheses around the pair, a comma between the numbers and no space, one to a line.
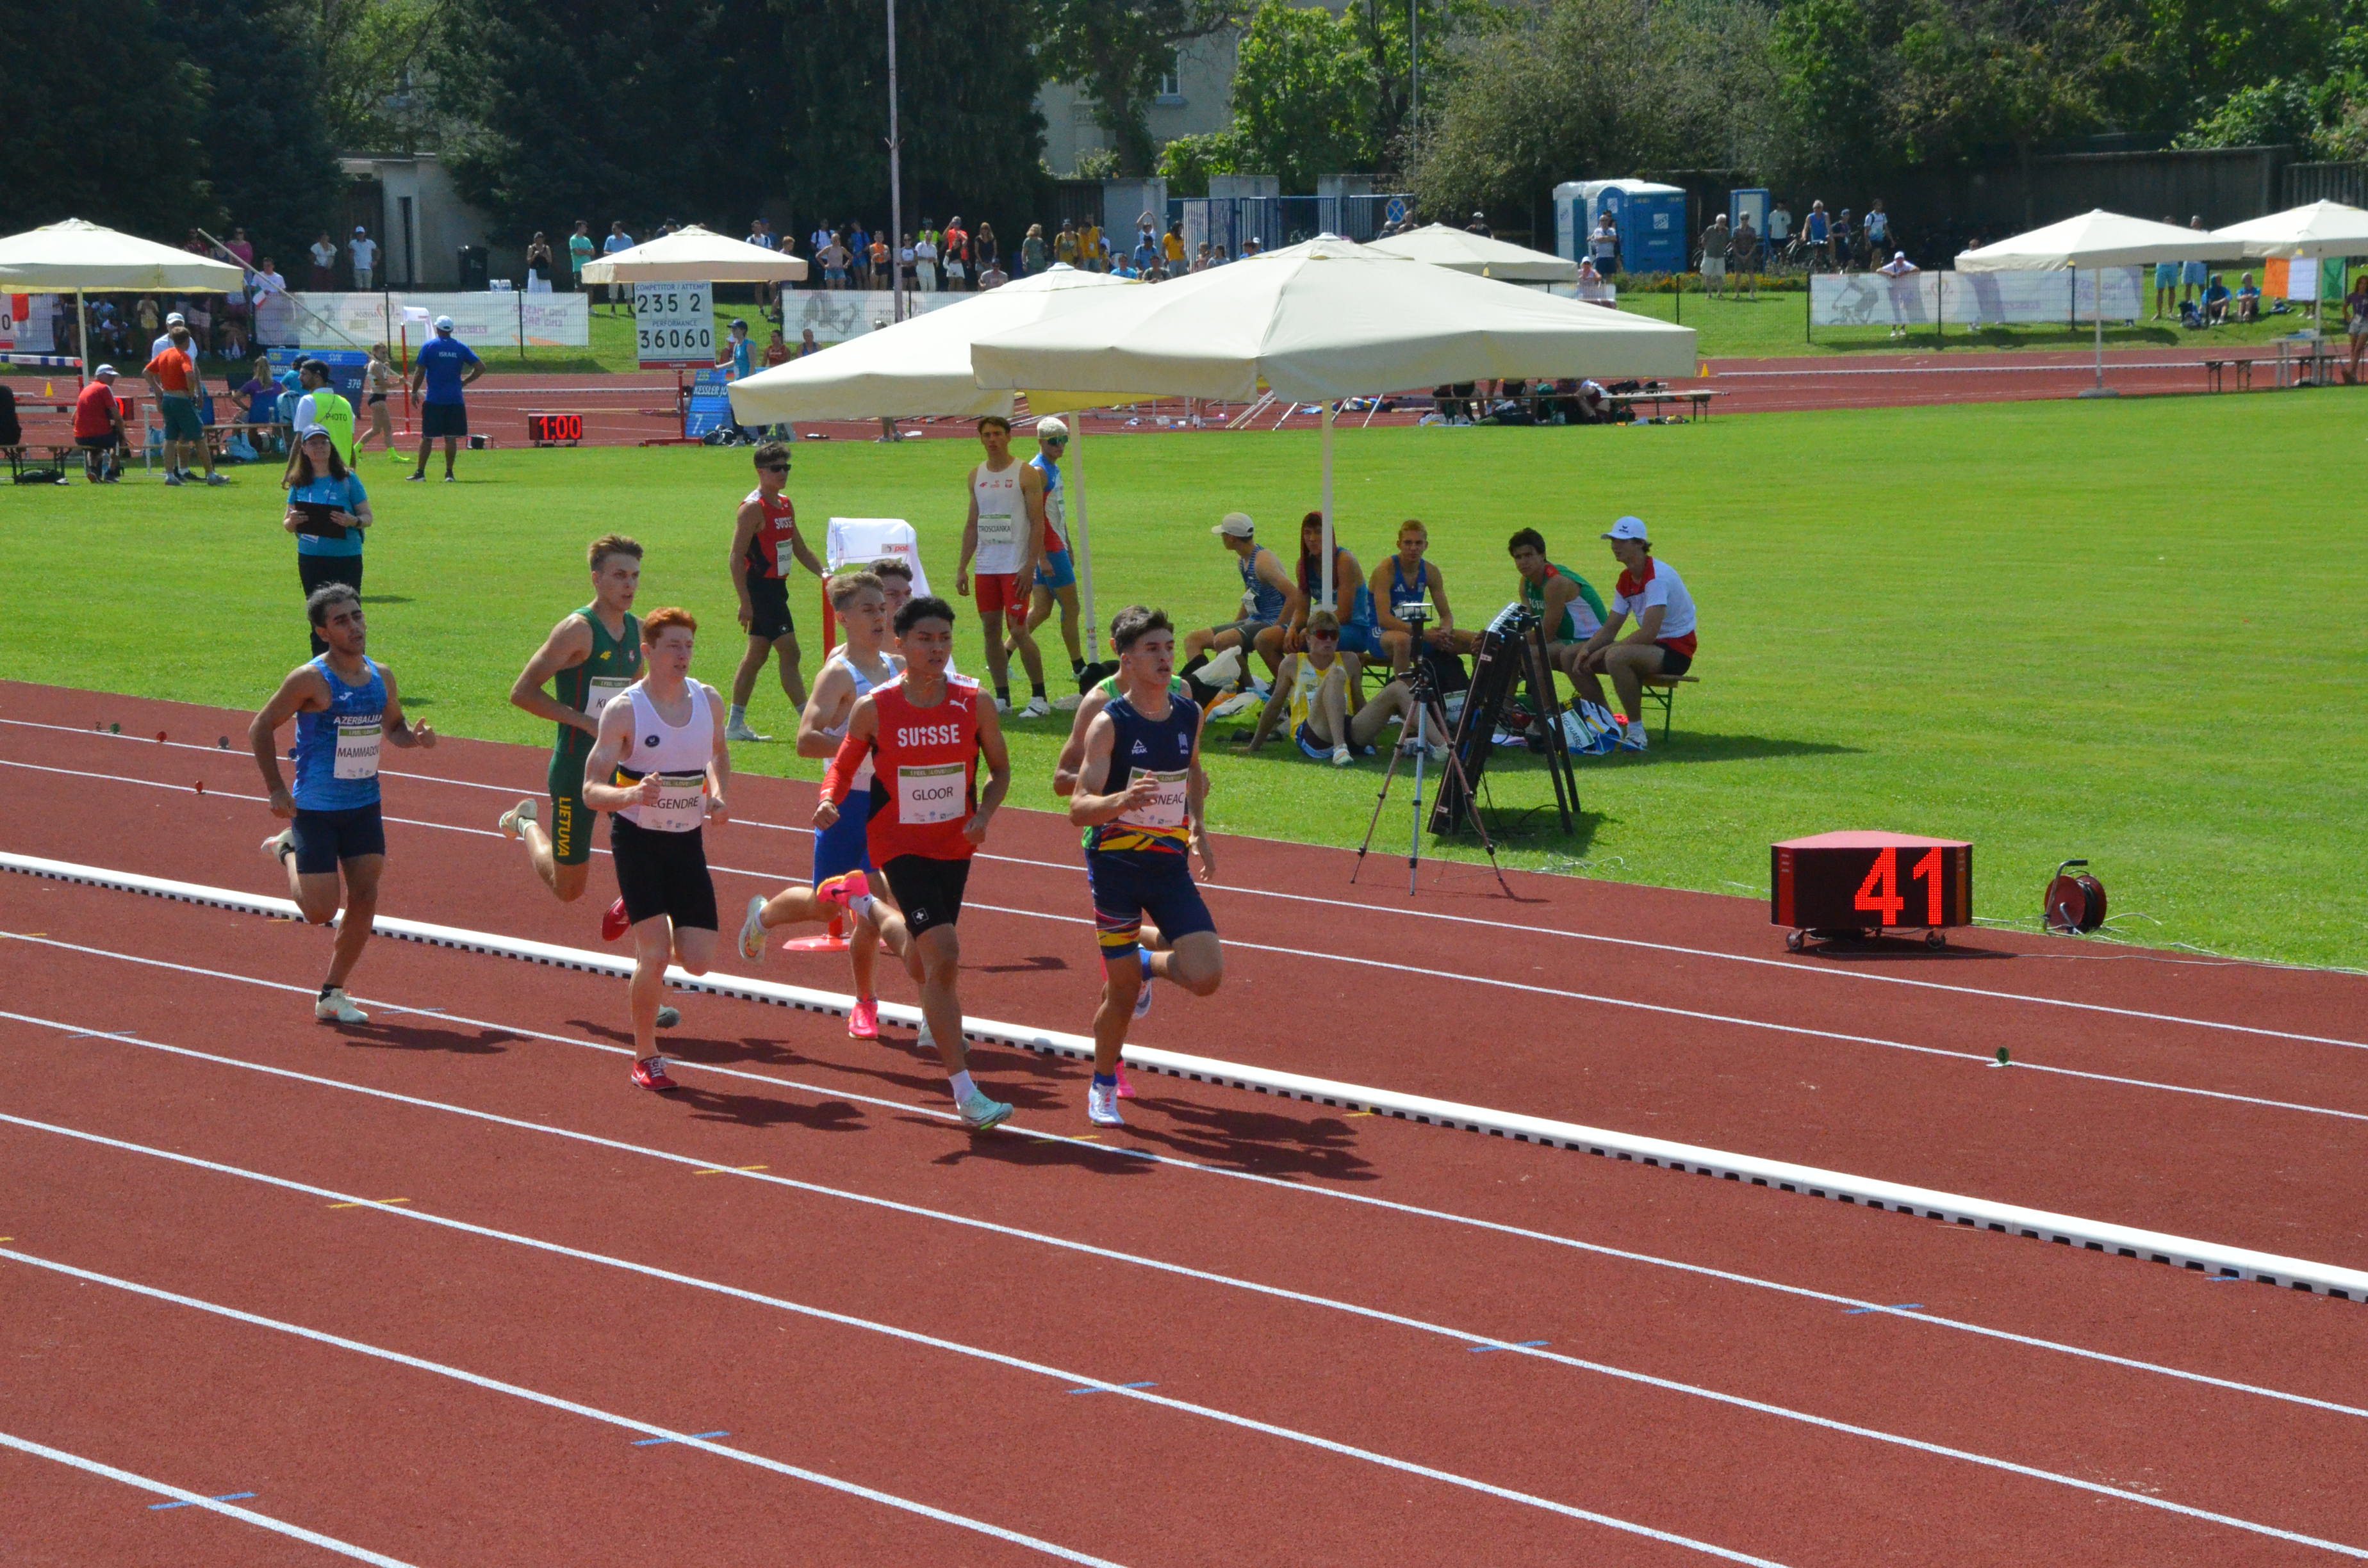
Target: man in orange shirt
(99,428)
(172,378)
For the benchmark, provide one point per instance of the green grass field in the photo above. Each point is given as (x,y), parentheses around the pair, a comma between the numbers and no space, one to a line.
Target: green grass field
(2130,631)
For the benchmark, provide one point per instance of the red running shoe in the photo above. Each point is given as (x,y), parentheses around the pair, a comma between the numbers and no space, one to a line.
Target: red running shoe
(650,1074)
(863,1023)
(615,924)
(843,889)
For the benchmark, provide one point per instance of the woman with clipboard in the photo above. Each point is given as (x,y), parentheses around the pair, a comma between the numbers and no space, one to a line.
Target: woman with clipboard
(327,510)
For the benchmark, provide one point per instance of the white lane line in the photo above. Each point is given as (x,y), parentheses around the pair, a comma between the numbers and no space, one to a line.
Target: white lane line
(1332,905)
(1339,1194)
(198,1500)
(914,1337)
(554,1401)
(1278,1293)
(772,879)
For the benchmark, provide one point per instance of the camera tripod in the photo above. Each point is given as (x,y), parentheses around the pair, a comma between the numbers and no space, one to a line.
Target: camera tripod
(1428,712)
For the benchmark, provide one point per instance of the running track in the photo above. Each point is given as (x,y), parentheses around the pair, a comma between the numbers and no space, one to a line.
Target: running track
(885,1319)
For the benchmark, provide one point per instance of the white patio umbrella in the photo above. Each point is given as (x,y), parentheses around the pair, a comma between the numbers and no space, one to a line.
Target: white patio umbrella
(921,366)
(2095,240)
(1320,322)
(73,257)
(2299,233)
(694,254)
(1459,250)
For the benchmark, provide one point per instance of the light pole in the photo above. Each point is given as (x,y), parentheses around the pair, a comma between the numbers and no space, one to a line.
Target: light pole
(1414,66)
(896,183)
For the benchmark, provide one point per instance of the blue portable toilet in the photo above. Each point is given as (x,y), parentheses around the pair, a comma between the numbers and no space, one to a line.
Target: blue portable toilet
(1651,220)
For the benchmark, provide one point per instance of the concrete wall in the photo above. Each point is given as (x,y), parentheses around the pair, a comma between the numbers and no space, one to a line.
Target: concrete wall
(425,223)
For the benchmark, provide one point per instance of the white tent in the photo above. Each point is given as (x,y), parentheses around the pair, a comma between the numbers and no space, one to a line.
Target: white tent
(2323,228)
(1459,250)
(1320,322)
(694,254)
(921,366)
(2093,241)
(74,257)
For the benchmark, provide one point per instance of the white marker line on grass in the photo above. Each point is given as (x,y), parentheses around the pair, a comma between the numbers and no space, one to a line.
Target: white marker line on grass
(554,1401)
(198,1500)
(1332,905)
(1338,1194)
(930,1341)
(1278,1293)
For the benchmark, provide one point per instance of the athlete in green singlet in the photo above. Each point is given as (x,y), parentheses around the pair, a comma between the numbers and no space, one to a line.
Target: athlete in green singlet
(589,656)
(1568,602)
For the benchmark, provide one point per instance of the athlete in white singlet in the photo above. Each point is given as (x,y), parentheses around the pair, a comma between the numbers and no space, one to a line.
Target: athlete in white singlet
(1001,545)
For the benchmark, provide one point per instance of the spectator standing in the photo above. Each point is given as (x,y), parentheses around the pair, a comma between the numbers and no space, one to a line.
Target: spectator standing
(172,377)
(2355,322)
(327,511)
(444,366)
(362,251)
(1780,229)
(579,252)
(1033,259)
(1845,238)
(239,248)
(1603,245)
(99,428)
(1146,251)
(321,405)
(1878,230)
(149,326)
(1899,266)
(1743,254)
(2195,276)
(1089,247)
(323,276)
(984,250)
(539,262)
(1479,225)
(833,258)
(953,253)
(1715,242)
(618,240)
(163,339)
(1171,250)
(905,256)
(1816,234)
(925,262)
(1065,245)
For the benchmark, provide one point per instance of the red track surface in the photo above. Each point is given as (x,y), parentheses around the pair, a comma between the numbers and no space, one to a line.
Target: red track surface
(1278,1327)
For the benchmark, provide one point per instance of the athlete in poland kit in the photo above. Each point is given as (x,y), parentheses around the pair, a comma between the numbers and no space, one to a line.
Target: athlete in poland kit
(765,539)
(999,546)
(855,669)
(660,764)
(345,705)
(923,734)
(1139,796)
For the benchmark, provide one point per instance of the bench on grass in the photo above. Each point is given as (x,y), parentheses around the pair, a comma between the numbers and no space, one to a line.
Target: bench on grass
(1662,690)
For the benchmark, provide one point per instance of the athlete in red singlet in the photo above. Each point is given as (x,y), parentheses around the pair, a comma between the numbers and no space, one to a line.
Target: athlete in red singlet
(764,542)
(924,734)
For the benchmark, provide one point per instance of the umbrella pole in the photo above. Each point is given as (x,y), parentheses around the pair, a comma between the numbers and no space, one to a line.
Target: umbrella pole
(1082,542)
(1328,594)
(2096,311)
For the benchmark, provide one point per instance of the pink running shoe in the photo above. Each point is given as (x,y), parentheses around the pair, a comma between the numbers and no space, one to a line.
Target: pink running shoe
(1125,1086)
(844,889)
(864,1022)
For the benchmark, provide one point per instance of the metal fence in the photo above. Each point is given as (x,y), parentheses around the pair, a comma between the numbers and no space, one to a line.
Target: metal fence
(1277,220)
(2307,183)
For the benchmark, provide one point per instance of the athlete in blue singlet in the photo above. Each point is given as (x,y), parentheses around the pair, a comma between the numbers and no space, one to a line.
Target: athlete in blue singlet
(1056,571)
(861,601)
(345,705)
(1140,796)
(1409,577)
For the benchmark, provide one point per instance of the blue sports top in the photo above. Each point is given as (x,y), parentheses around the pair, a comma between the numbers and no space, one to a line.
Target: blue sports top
(345,495)
(1267,600)
(1160,747)
(444,357)
(337,750)
(1403,593)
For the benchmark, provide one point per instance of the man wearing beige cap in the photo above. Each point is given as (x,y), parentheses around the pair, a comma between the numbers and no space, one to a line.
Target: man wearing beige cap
(1268,596)
(1663,642)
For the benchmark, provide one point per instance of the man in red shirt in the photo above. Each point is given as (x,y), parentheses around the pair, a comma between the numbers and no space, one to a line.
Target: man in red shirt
(923,733)
(172,381)
(99,428)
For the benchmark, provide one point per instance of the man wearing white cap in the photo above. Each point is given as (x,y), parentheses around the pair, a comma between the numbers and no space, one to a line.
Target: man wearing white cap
(164,338)
(363,251)
(444,366)
(1663,642)
(1056,569)
(1267,595)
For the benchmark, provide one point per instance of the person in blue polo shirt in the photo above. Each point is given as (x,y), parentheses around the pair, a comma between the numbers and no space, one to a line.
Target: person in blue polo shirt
(446,365)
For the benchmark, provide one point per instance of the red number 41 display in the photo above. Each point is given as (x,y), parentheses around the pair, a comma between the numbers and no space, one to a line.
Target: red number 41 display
(1878,894)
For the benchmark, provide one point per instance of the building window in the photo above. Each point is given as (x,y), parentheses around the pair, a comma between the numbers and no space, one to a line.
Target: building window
(1171,83)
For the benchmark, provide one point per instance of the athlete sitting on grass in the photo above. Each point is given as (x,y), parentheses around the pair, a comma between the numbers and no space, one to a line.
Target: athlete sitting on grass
(660,763)
(344,703)
(856,668)
(1313,690)
(1143,813)
(922,736)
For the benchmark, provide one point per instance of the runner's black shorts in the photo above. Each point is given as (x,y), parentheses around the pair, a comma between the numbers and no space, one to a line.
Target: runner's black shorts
(929,892)
(663,873)
(321,840)
(768,605)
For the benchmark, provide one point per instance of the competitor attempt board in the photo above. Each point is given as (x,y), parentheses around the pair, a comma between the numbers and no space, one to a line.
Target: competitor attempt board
(1875,882)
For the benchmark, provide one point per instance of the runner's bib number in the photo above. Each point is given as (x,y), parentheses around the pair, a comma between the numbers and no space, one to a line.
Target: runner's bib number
(931,794)
(996,531)
(1167,808)
(598,692)
(358,743)
(681,803)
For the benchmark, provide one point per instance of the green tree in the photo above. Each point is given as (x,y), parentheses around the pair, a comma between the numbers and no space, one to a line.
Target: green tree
(1187,162)
(274,161)
(370,74)
(1117,51)
(73,152)
(1304,95)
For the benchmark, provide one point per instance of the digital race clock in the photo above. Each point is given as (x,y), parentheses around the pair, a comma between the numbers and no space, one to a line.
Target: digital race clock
(1870,884)
(555,429)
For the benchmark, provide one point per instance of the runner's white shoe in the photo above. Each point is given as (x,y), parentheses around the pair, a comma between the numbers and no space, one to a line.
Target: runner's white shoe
(1002,706)
(276,847)
(522,813)
(1631,736)
(751,930)
(742,732)
(335,1007)
(1037,709)
(1342,756)
(1101,1106)
(1067,701)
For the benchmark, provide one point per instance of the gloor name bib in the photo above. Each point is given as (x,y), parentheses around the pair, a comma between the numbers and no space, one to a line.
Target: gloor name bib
(930,793)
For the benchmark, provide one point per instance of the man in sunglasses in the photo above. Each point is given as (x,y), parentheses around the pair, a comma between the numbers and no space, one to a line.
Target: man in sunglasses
(765,538)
